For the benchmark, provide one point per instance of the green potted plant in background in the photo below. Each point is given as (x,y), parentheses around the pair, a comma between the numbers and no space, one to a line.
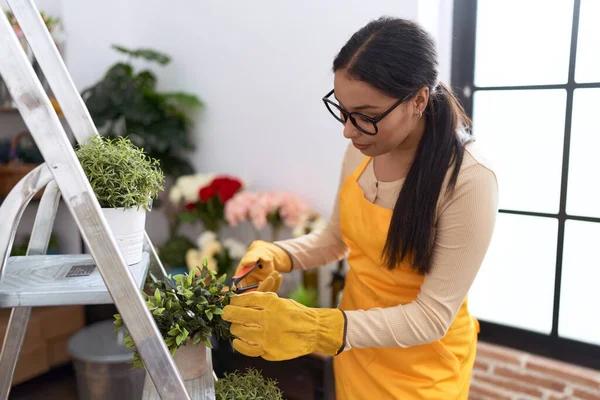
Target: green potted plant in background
(307,296)
(126,102)
(250,385)
(125,181)
(188,314)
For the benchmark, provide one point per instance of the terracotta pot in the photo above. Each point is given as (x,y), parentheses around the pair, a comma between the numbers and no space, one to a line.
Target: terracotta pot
(191,360)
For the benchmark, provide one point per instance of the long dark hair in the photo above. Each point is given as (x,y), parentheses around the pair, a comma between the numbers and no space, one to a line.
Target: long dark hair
(398,57)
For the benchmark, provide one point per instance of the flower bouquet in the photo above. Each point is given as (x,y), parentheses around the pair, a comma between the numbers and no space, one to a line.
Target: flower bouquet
(204,197)
(275,208)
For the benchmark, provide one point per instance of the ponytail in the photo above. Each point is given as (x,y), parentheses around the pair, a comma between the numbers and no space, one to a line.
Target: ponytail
(411,234)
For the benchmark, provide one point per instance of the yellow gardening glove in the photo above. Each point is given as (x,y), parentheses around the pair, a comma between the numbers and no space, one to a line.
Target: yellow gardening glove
(271,284)
(279,329)
(272,257)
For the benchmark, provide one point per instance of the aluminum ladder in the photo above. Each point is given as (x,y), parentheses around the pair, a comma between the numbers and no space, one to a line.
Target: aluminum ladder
(38,279)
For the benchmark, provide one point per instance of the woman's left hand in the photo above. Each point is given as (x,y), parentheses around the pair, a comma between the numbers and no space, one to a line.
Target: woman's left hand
(279,329)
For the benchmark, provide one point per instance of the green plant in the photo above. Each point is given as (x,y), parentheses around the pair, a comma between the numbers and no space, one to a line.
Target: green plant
(126,103)
(120,173)
(305,296)
(20,249)
(187,311)
(172,252)
(248,386)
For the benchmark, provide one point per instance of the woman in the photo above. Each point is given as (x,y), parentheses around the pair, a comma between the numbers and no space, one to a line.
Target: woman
(415,212)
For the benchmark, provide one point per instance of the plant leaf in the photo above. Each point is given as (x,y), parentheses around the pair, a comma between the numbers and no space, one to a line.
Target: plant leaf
(217,311)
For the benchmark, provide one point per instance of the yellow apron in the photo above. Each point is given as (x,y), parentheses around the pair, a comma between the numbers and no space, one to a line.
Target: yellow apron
(438,370)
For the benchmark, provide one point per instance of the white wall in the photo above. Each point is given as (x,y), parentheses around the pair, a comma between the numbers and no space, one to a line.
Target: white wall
(261,67)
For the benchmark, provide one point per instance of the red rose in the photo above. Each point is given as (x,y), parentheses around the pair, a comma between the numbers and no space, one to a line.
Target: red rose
(226,187)
(190,206)
(223,186)
(207,192)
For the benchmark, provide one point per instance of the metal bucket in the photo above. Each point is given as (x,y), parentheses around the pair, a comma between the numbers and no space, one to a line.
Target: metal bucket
(103,364)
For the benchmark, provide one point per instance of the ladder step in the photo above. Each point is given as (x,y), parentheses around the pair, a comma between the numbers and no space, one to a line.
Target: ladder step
(59,280)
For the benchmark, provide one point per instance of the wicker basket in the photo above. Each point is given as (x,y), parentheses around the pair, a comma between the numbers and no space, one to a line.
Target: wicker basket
(14,170)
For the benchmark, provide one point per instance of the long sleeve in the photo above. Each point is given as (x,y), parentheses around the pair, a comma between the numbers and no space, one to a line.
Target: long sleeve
(463,233)
(326,245)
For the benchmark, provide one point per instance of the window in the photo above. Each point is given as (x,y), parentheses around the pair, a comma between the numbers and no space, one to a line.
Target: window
(528,74)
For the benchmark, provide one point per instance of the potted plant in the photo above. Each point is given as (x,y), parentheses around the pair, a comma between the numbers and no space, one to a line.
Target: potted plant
(125,181)
(127,102)
(188,314)
(250,385)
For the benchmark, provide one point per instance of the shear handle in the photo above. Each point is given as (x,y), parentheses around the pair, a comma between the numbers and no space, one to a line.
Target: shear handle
(243,274)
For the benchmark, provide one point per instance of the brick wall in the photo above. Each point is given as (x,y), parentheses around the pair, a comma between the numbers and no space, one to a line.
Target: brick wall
(506,374)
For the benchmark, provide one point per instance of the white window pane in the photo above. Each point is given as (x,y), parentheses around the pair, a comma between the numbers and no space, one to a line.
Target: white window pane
(583,197)
(515,285)
(522,42)
(522,131)
(579,294)
(587,66)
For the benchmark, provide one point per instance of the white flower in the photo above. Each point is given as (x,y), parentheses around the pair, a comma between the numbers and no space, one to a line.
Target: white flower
(236,248)
(309,222)
(175,195)
(194,260)
(206,239)
(319,224)
(186,187)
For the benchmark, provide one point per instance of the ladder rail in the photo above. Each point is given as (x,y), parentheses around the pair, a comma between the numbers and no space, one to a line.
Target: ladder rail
(49,59)
(63,87)
(44,221)
(14,206)
(19,317)
(52,141)
(156,266)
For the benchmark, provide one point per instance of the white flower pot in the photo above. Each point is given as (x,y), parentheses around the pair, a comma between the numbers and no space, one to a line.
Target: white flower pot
(128,228)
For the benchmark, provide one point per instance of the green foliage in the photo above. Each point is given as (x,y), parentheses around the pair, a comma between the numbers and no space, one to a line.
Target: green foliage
(120,173)
(126,103)
(21,248)
(211,213)
(172,252)
(248,386)
(305,296)
(147,54)
(188,310)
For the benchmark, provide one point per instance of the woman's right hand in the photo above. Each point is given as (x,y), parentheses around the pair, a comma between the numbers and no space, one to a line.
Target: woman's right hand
(273,259)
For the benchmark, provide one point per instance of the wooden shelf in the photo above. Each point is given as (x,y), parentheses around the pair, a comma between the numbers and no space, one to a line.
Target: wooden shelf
(5,109)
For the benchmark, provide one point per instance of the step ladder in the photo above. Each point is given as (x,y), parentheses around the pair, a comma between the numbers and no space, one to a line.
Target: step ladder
(37,279)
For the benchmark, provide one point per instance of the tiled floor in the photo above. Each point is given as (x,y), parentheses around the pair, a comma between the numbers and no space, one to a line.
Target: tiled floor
(58,384)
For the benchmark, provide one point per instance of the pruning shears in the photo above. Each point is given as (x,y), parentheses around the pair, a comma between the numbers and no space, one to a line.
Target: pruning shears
(244,272)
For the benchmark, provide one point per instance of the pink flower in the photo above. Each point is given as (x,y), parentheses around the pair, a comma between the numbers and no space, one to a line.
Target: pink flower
(258,215)
(291,209)
(237,209)
(255,207)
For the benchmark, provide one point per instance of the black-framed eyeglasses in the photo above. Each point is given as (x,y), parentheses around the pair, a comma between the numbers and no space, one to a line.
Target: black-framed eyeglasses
(364,123)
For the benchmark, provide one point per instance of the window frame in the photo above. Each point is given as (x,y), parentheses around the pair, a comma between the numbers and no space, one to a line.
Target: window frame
(462,81)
